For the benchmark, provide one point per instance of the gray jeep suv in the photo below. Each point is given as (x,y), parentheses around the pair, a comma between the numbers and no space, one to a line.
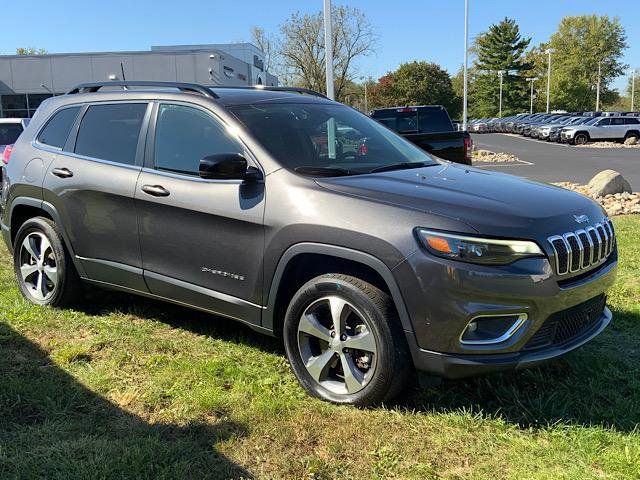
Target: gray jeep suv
(305,219)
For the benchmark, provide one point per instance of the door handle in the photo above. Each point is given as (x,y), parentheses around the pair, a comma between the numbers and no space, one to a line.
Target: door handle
(155,190)
(62,172)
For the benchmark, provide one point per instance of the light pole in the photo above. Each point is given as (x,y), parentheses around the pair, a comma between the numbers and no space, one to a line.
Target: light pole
(598,86)
(548,51)
(328,49)
(366,104)
(500,74)
(464,68)
(531,79)
(633,86)
(328,58)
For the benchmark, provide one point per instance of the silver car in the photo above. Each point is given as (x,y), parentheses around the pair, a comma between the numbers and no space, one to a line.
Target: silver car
(602,128)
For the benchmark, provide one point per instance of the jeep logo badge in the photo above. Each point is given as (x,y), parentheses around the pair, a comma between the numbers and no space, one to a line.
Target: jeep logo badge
(581,218)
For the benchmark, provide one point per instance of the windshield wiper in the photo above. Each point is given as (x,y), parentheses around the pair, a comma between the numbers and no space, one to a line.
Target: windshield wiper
(322,171)
(402,166)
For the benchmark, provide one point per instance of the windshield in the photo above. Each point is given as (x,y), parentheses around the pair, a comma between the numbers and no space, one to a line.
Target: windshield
(9,133)
(312,137)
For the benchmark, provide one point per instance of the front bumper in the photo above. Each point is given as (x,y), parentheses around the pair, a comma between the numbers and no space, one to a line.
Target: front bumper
(460,365)
(450,294)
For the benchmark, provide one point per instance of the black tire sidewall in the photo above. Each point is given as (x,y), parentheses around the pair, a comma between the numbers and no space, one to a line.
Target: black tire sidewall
(47,228)
(378,386)
(581,135)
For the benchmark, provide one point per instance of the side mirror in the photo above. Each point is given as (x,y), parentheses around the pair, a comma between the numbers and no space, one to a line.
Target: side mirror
(227,166)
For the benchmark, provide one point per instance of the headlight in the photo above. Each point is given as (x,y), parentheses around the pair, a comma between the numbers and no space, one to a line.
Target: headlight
(486,251)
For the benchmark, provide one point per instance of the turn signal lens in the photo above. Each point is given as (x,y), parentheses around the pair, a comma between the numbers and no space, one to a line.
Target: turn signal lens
(7,153)
(438,243)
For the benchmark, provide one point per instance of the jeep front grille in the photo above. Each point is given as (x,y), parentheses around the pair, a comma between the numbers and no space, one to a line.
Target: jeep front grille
(579,250)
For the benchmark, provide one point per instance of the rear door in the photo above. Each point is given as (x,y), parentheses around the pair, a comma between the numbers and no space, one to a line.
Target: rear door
(202,240)
(617,128)
(91,183)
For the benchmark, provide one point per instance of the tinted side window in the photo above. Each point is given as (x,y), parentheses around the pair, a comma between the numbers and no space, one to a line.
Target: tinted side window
(604,122)
(617,121)
(186,135)
(631,121)
(110,132)
(58,128)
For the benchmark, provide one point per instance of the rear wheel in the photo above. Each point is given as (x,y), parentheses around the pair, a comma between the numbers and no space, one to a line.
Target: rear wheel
(634,135)
(580,139)
(44,271)
(344,341)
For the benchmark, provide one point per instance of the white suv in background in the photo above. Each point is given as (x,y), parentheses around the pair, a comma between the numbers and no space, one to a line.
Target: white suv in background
(10,130)
(602,128)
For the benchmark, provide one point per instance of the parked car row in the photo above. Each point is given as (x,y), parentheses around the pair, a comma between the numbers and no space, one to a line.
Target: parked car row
(576,128)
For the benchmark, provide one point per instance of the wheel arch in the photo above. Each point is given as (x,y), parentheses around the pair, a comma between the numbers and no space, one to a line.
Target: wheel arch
(355,261)
(24,208)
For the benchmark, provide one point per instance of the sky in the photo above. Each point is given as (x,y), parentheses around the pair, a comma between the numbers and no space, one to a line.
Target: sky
(429,30)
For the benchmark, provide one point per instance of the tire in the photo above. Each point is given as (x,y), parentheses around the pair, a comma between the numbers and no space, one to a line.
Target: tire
(379,370)
(44,277)
(632,135)
(580,139)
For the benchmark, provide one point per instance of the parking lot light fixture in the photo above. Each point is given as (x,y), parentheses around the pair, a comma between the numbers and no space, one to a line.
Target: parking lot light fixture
(531,79)
(598,86)
(548,51)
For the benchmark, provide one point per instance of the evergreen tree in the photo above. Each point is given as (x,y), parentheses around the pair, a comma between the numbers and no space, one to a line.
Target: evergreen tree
(502,48)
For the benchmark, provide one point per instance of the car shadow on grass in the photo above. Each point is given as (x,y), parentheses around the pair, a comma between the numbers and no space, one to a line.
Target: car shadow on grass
(597,384)
(53,427)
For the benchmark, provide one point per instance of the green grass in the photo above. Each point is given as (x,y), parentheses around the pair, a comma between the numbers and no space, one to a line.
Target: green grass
(129,388)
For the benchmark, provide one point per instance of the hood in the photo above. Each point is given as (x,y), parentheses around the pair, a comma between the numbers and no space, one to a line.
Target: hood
(492,203)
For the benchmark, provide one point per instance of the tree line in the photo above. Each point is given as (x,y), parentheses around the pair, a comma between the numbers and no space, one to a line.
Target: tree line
(581,47)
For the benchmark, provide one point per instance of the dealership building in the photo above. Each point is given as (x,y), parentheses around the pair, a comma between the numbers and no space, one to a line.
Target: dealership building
(25,81)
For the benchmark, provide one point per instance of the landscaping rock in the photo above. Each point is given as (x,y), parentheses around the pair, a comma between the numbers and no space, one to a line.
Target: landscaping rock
(615,204)
(489,156)
(608,182)
(631,141)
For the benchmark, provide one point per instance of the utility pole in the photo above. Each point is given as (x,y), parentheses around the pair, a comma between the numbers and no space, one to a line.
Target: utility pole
(548,51)
(598,87)
(500,74)
(466,57)
(531,79)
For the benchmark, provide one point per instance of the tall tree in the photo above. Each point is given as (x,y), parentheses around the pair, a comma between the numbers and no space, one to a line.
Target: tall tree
(580,45)
(416,83)
(30,51)
(501,48)
(265,43)
(302,54)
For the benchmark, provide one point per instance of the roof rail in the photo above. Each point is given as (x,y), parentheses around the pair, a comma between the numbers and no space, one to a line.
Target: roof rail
(183,87)
(300,90)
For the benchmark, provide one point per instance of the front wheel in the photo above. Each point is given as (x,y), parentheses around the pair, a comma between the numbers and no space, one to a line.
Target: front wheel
(344,341)
(580,139)
(44,271)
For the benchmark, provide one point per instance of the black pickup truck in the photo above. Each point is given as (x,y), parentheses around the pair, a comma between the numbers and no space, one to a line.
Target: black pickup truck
(430,128)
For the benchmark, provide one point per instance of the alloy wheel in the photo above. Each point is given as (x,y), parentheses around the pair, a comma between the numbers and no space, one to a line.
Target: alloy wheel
(38,266)
(336,345)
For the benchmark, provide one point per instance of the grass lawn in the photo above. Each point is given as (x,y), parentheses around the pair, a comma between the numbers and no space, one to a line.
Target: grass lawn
(127,387)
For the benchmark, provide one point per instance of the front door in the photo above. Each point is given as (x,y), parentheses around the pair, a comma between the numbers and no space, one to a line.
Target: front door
(202,240)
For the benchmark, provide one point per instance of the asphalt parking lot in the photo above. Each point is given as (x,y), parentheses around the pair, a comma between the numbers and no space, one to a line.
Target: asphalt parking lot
(552,162)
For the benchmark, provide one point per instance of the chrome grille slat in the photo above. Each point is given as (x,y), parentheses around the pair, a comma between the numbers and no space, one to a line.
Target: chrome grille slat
(584,248)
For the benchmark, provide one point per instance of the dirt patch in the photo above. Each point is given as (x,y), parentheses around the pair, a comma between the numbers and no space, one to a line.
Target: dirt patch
(615,204)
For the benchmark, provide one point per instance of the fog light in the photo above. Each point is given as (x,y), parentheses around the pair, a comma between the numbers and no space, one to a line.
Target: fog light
(492,329)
